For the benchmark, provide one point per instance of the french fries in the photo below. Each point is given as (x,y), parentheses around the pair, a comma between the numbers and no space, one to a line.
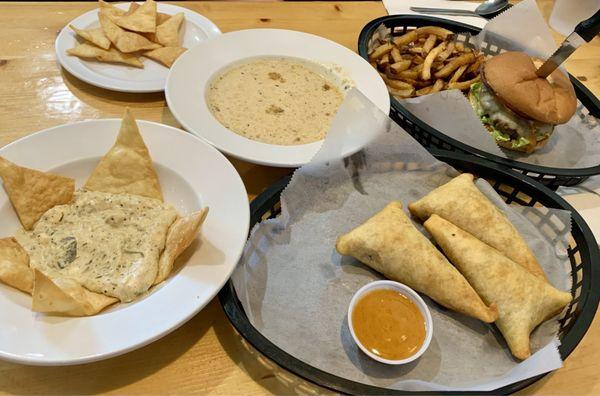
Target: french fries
(464,59)
(425,60)
(426,72)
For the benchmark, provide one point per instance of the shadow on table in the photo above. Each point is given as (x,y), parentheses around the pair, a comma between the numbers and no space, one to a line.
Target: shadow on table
(107,375)
(262,370)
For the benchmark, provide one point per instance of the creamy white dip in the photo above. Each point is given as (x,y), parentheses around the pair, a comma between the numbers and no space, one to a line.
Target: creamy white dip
(109,243)
(274,100)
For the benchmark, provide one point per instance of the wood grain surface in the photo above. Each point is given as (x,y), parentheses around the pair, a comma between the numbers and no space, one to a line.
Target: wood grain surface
(205,355)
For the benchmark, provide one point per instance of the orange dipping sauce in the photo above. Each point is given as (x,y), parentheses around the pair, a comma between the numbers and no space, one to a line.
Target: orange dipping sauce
(388,324)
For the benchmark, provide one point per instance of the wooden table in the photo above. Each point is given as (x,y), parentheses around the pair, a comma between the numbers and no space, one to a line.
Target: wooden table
(205,355)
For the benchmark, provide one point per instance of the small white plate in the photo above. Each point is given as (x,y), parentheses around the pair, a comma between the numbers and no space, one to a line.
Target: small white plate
(193,71)
(192,175)
(196,29)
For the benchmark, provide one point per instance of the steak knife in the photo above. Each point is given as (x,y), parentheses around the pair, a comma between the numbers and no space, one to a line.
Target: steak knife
(584,32)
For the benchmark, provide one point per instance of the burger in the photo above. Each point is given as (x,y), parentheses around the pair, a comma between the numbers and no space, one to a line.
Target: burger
(519,108)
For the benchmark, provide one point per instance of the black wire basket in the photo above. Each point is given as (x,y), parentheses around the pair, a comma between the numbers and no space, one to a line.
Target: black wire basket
(513,188)
(430,137)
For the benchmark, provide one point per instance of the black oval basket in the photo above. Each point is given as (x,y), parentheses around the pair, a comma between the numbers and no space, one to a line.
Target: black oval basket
(430,137)
(514,188)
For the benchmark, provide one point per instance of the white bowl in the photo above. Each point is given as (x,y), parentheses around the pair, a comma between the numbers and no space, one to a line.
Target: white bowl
(413,296)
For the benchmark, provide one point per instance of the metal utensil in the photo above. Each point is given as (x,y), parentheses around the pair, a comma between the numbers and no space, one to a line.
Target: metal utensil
(584,32)
(484,10)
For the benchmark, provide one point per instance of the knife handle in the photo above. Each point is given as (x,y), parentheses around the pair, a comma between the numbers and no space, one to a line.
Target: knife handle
(589,28)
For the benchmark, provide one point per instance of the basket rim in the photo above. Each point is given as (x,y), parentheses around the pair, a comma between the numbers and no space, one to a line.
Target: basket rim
(270,196)
(580,90)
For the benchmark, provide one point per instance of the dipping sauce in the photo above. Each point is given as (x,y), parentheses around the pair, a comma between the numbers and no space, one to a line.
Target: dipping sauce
(279,101)
(388,324)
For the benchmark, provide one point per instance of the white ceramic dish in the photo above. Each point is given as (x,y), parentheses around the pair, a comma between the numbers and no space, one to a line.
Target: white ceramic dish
(192,174)
(152,78)
(193,71)
(413,296)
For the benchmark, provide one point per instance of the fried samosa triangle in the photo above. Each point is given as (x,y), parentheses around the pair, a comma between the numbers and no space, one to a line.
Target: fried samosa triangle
(66,297)
(460,202)
(33,192)
(523,299)
(127,167)
(389,243)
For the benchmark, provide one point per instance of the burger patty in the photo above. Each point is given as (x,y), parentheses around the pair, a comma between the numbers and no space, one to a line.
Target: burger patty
(505,125)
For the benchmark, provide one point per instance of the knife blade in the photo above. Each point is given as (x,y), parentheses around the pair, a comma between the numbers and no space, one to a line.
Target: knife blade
(585,31)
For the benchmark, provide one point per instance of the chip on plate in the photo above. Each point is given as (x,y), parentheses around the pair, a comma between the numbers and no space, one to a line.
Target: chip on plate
(95,36)
(64,296)
(142,19)
(14,265)
(110,10)
(167,33)
(180,236)
(33,192)
(124,41)
(110,56)
(166,55)
(127,167)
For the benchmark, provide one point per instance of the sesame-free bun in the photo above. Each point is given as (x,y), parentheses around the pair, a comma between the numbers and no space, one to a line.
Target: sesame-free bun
(511,77)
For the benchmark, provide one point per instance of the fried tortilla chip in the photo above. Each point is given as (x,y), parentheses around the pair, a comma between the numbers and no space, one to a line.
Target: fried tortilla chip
(64,296)
(124,41)
(181,234)
(390,244)
(95,36)
(110,10)
(523,299)
(167,33)
(33,192)
(142,19)
(127,167)
(160,16)
(111,56)
(14,265)
(166,55)
(460,202)
(132,7)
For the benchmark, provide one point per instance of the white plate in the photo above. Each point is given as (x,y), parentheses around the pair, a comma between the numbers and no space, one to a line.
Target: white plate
(192,174)
(193,71)
(123,78)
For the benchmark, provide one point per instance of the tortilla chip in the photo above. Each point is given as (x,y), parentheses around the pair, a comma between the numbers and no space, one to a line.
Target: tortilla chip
(167,34)
(110,10)
(142,19)
(181,234)
(33,192)
(161,18)
(111,56)
(95,36)
(132,7)
(66,297)
(124,41)
(14,265)
(127,167)
(166,55)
